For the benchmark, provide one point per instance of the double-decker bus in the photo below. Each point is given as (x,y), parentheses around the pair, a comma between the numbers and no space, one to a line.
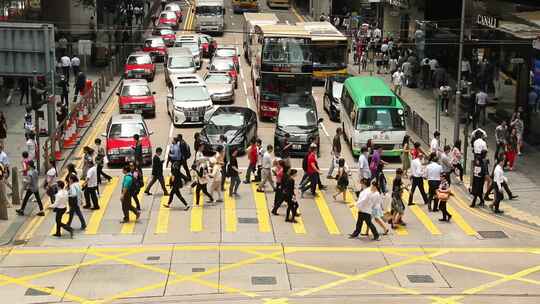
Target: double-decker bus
(281,63)
(250,21)
(245,6)
(329,49)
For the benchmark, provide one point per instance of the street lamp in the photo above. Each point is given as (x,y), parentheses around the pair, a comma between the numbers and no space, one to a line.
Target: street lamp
(458,89)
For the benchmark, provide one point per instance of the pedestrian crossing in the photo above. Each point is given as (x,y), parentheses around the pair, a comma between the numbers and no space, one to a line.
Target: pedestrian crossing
(323,214)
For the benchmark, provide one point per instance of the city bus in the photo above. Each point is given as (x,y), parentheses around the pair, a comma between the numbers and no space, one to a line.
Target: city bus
(240,6)
(329,50)
(278,3)
(370,110)
(281,64)
(250,21)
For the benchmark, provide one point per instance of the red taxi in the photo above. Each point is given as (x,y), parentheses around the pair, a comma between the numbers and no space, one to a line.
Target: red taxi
(166,33)
(224,64)
(228,52)
(139,65)
(209,45)
(169,18)
(135,96)
(120,142)
(155,46)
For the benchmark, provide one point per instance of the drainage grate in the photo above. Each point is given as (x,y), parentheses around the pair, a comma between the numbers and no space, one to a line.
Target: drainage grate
(263,281)
(197,269)
(153,258)
(35,292)
(420,278)
(497,234)
(248,220)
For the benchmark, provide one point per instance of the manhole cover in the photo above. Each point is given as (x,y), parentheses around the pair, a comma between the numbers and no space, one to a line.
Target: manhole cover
(420,278)
(197,269)
(153,258)
(248,220)
(35,292)
(263,281)
(493,234)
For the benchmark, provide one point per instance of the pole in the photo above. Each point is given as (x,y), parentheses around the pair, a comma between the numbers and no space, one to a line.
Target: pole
(457,113)
(15,197)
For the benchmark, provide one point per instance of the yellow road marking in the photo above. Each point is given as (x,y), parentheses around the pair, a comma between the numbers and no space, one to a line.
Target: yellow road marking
(129,227)
(326,215)
(422,216)
(197,213)
(230,211)
(262,210)
(162,224)
(65,218)
(97,215)
(460,221)
(299,227)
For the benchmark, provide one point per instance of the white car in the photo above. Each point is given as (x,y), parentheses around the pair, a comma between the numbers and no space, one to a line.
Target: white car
(188,100)
(192,43)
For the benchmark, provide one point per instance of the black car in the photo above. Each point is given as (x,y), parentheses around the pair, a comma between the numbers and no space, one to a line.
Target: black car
(298,119)
(238,124)
(332,95)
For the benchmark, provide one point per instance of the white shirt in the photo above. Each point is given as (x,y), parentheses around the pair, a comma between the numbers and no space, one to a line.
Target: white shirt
(498,176)
(51,175)
(364,202)
(75,61)
(267,160)
(4,158)
(60,199)
(417,170)
(479,145)
(465,66)
(397,78)
(377,33)
(434,146)
(481,98)
(433,171)
(91,177)
(31,149)
(66,62)
(363,167)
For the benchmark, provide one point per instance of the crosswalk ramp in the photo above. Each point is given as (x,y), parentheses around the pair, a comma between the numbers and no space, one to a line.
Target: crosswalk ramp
(320,216)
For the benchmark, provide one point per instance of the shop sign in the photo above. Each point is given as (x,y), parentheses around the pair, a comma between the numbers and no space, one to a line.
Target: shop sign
(487,21)
(399,3)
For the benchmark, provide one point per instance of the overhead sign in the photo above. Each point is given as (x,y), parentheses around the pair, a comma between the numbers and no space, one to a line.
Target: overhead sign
(487,21)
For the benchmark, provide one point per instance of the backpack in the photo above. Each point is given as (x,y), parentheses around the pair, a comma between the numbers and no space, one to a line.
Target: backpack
(343,180)
(186,151)
(373,166)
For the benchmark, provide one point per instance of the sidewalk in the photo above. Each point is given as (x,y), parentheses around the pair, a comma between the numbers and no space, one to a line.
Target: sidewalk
(523,181)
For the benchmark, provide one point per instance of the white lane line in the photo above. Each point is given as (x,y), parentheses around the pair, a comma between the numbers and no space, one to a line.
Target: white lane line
(241,72)
(248,101)
(324,130)
(245,88)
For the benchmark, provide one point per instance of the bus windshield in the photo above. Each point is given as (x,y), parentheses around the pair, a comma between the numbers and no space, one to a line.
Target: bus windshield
(329,55)
(273,85)
(380,119)
(286,50)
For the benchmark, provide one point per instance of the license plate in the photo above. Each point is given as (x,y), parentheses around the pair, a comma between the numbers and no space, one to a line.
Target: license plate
(138,76)
(194,119)
(297,147)
(138,111)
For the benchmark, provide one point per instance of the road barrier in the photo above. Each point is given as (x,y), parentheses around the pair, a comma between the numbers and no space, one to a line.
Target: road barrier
(416,123)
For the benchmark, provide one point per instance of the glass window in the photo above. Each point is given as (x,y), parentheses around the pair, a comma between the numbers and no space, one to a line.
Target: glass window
(180,62)
(218,78)
(192,46)
(380,119)
(168,15)
(286,50)
(225,52)
(329,55)
(273,85)
(208,10)
(154,43)
(166,32)
(135,90)
(127,130)
(222,65)
(196,93)
(139,60)
(296,116)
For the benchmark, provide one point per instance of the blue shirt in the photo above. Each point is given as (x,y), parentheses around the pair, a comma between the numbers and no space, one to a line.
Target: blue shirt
(175,152)
(128,180)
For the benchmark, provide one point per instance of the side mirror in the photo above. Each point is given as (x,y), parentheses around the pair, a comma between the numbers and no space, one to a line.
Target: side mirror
(153,93)
(169,96)
(103,134)
(208,67)
(117,93)
(209,113)
(320,120)
(150,132)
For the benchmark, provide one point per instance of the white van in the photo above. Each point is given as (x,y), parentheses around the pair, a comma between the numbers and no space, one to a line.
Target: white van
(178,61)
(209,16)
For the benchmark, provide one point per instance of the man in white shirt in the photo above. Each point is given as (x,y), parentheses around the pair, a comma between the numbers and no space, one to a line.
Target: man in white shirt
(434,145)
(481,104)
(397,80)
(363,166)
(479,145)
(498,181)
(90,193)
(433,172)
(417,176)
(60,207)
(364,204)
(66,65)
(31,145)
(75,65)
(266,172)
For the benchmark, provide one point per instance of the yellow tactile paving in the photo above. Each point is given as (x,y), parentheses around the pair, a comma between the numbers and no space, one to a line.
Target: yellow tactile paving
(326,215)
(129,227)
(104,199)
(262,209)
(162,224)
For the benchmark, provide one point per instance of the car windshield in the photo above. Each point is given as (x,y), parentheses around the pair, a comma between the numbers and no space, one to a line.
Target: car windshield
(180,62)
(225,52)
(127,130)
(172,7)
(167,32)
(208,10)
(381,119)
(274,85)
(218,78)
(329,55)
(221,65)
(286,50)
(196,93)
(192,46)
(154,43)
(136,90)
(337,89)
(139,60)
(224,121)
(168,15)
(297,117)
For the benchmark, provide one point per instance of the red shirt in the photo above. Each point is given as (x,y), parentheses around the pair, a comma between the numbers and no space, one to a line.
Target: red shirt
(414,153)
(311,160)
(253,154)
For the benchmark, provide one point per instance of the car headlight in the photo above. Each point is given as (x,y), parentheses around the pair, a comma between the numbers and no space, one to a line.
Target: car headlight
(177,108)
(148,71)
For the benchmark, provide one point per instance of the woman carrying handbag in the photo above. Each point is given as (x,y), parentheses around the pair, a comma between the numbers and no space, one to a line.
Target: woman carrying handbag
(443,194)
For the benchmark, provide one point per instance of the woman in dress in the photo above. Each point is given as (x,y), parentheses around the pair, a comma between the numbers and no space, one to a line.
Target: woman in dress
(511,149)
(342,180)
(517,123)
(378,209)
(456,159)
(405,155)
(398,208)
(215,176)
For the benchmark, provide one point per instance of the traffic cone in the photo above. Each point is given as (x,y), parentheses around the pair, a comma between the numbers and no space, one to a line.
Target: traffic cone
(58,151)
(81,123)
(69,143)
(86,114)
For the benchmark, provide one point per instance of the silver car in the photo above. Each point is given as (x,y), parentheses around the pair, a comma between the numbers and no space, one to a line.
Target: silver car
(220,86)
(194,45)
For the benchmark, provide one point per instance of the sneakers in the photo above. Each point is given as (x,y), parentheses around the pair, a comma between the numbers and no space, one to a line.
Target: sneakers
(147,193)
(186,208)
(41,213)
(19,212)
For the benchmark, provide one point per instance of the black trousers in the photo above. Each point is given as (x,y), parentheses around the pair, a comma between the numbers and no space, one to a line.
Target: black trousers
(492,187)
(250,169)
(127,206)
(100,173)
(64,99)
(223,176)
(135,197)
(418,182)
(444,211)
(58,217)
(74,208)
(184,164)
(235,183)
(204,189)
(498,197)
(365,217)
(278,198)
(292,209)
(65,71)
(27,195)
(175,190)
(153,181)
(24,93)
(90,195)
(433,186)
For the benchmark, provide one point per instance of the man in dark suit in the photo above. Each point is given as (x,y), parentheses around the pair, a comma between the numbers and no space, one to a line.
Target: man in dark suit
(157,173)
